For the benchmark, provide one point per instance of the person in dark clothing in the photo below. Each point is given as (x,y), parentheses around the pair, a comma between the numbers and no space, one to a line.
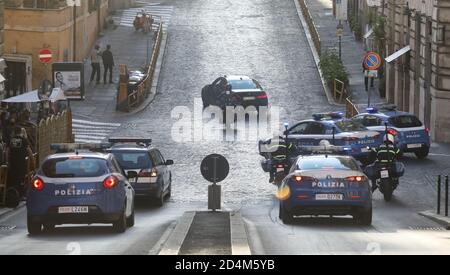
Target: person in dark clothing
(95,62)
(16,154)
(108,63)
(366,78)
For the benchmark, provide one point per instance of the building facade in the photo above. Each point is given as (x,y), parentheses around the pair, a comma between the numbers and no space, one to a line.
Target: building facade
(2,41)
(32,25)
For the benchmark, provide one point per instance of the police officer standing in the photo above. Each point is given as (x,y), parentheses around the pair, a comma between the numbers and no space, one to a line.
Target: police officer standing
(16,154)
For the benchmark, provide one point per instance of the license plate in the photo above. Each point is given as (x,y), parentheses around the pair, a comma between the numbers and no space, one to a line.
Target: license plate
(329,197)
(249,98)
(280,169)
(384,174)
(73,210)
(413,146)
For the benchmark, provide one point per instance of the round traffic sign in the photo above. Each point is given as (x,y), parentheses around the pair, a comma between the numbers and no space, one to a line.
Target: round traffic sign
(215,168)
(45,56)
(372,61)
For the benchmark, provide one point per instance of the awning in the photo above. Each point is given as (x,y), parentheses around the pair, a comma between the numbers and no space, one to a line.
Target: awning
(368,34)
(397,54)
(32,97)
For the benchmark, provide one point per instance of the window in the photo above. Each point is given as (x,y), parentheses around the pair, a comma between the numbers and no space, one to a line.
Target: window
(370,121)
(243,84)
(315,128)
(133,160)
(350,126)
(407,121)
(157,158)
(75,168)
(327,163)
(299,129)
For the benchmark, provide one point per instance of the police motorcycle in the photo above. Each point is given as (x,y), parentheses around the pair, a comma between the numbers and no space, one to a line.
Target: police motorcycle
(386,169)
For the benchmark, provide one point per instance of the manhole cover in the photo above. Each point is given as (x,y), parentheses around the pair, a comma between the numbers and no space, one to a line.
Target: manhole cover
(427,228)
(7,227)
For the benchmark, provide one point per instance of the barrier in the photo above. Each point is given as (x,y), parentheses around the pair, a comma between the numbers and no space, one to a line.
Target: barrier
(350,108)
(312,27)
(339,90)
(127,101)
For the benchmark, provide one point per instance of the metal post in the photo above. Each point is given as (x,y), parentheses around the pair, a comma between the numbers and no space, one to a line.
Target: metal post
(439,194)
(340,42)
(446,196)
(369,94)
(74,31)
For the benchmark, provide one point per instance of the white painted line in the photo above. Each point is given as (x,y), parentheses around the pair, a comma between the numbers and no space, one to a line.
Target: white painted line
(239,240)
(439,155)
(95,123)
(160,243)
(176,239)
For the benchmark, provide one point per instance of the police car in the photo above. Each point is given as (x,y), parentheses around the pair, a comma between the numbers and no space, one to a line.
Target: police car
(79,187)
(334,128)
(326,184)
(410,133)
(149,172)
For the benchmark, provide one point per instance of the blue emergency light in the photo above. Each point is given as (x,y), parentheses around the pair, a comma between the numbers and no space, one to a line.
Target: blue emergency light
(372,110)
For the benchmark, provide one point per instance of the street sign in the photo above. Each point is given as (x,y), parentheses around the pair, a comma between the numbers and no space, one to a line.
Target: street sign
(372,61)
(45,56)
(215,168)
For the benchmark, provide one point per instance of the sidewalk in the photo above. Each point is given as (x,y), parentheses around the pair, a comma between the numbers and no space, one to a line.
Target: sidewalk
(352,50)
(130,48)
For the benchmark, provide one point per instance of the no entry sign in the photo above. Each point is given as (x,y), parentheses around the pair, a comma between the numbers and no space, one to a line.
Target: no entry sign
(45,56)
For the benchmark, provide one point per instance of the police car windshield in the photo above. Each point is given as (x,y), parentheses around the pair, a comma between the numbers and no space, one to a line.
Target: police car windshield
(75,168)
(332,163)
(243,84)
(350,126)
(133,160)
(407,121)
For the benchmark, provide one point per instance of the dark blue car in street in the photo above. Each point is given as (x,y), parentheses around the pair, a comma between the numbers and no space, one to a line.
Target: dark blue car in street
(332,185)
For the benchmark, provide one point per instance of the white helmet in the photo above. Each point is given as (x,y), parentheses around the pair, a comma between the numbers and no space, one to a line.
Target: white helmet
(389,138)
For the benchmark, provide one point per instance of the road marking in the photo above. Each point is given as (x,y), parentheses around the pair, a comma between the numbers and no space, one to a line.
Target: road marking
(239,238)
(87,131)
(439,155)
(160,243)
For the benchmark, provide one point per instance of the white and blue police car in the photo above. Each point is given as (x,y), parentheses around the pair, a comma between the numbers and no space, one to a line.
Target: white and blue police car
(411,135)
(79,187)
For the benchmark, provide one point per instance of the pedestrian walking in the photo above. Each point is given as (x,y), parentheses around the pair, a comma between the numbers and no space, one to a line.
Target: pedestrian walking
(108,63)
(95,63)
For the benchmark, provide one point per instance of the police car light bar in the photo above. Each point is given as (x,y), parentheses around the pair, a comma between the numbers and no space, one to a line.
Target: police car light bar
(328,116)
(72,147)
(372,110)
(146,141)
(325,149)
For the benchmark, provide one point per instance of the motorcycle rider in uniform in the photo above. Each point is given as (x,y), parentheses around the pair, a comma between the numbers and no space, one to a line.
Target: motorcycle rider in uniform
(386,154)
(276,151)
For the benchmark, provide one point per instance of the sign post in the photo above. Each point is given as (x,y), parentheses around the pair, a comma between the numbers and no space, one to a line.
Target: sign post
(372,62)
(214,168)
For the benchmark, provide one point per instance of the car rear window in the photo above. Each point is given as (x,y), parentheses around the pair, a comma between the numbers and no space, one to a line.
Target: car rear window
(407,121)
(350,126)
(327,163)
(75,168)
(133,160)
(243,84)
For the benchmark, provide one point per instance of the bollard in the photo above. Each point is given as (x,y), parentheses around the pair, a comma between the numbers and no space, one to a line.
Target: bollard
(439,194)
(446,196)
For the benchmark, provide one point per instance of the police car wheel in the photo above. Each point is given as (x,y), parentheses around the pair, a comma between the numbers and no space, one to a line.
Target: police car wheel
(160,200)
(120,226)
(169,191)
(422,154)
(364,217)
(34,228)
(131,219)
(286,217)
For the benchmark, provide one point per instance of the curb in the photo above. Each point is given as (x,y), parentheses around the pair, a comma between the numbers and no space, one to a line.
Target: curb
(444,221)
(316,56)
(239,239)
(174,242)
(154,88)
(6,211)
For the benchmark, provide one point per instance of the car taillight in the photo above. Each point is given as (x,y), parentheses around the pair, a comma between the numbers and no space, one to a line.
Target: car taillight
(300,179)
(280,166)
(356,178)
(110,182)
(38,184)
(392,132)
(148,174)
(427,130)
(262,96)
